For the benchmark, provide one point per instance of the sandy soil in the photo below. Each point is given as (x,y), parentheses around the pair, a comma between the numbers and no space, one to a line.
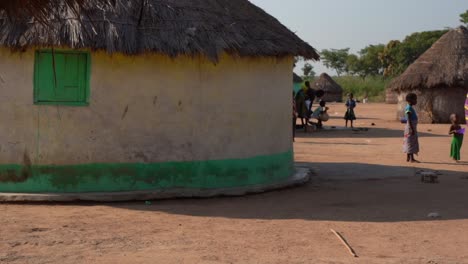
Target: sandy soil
(362,188)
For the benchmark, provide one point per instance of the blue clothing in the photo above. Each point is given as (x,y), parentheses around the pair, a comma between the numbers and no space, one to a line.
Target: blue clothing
(410,110)
(351,104)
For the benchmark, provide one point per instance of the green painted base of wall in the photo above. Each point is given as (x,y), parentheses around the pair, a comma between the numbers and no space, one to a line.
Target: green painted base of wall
(145,176)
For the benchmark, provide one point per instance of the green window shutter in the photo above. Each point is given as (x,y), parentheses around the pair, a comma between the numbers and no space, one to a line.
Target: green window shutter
(68,84)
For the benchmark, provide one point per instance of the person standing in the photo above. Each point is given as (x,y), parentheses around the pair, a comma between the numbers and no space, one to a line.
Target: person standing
(411,140)
(350,105)
(457,137)
(301,107)
(310,95)
(294,117)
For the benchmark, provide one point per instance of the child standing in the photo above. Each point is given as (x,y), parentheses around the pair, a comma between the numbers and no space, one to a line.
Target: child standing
(411,140)
(350,105)
(457,137)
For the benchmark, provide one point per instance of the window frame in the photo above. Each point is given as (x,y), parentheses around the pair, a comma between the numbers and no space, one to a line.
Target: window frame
(86,85)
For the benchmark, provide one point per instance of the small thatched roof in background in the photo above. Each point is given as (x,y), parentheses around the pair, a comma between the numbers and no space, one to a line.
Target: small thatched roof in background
(297,78)
(172,27)
(445,64)
(326,83)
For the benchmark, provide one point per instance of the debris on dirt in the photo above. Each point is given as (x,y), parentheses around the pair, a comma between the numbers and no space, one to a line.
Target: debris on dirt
(429,176)
(345,243)
(433,215)
(37,229)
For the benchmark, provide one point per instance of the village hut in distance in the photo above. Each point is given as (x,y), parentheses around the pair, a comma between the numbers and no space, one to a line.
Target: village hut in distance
(333,91)
(146,96)
(391,96)
(439,77)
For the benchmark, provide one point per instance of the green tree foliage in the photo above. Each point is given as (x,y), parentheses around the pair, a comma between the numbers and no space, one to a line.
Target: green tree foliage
(464,17)
(335,59)
(397,56)
(353,65)
(308,71)
(370,63)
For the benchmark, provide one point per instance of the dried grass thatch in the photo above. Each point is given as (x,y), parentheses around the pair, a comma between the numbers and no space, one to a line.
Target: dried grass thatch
(445,64)
(333,91)
(39,9)
(172,27)
(439,77)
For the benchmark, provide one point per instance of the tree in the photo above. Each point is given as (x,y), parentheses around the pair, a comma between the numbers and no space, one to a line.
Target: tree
(370,63)
(353,64)
(335,59)
(389,59)
(308,71)
(464,17)
(397,56)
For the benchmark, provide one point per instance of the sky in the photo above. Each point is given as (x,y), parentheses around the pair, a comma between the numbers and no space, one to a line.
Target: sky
(327,24)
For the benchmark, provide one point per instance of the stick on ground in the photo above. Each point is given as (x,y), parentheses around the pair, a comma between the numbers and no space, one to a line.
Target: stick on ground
(345,243)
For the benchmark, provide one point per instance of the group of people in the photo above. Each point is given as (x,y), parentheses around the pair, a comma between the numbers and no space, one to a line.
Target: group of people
(305,97)
(303,104)
(411,140)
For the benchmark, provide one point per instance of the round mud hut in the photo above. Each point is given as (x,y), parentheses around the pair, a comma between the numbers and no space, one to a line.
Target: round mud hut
(333,91)
(391,97)
(439,77)
(147,97)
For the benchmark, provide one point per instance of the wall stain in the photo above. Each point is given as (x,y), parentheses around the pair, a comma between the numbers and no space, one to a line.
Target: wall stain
(155,100)
(1,81)
(26,171)
(17,174)
(179,106)
(140,155)
(125,112)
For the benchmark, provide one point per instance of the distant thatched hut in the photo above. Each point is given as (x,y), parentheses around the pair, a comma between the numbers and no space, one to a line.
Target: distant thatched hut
(391,96)
(439,77)
(297,82)
(146,96)
(333,91)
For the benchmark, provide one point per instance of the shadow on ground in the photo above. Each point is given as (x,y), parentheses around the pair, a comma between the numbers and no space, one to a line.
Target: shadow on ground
(358,132)
(394,194)
(337,192)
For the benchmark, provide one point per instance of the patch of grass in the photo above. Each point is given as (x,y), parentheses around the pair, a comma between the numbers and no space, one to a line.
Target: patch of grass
(374,87)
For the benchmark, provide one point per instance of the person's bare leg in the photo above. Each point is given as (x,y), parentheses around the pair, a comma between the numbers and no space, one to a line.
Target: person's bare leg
(413,160)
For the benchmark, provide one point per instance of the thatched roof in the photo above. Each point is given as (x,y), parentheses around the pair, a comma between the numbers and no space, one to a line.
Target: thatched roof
(297,78)
(326,83)
(445,64)
(172,27)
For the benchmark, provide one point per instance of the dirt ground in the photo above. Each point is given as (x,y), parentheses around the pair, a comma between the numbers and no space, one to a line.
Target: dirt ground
(362,187)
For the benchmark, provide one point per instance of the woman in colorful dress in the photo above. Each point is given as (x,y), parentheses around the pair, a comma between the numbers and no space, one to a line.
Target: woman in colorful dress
(411,140)
(457,137)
